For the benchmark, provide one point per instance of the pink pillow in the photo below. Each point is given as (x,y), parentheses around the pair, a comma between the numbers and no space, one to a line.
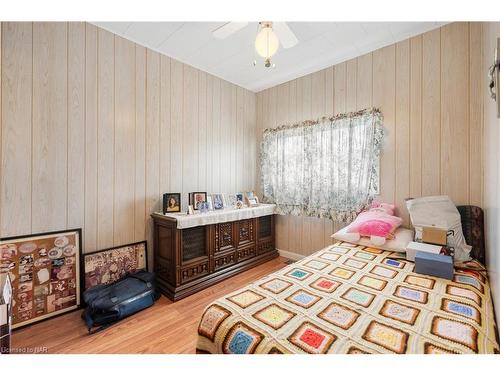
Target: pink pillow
(378,223)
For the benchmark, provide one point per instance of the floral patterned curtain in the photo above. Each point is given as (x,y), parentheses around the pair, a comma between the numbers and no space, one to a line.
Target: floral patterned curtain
(327,168)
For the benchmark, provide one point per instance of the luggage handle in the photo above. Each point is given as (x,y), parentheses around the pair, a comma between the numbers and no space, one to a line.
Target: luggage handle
(138,277)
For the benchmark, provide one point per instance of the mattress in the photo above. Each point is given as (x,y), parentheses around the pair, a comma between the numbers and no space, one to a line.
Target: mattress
(353,299)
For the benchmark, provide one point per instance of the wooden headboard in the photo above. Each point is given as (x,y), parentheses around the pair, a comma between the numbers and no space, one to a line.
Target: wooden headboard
(473,229)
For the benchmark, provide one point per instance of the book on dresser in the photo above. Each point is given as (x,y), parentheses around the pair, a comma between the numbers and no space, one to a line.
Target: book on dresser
(193,252)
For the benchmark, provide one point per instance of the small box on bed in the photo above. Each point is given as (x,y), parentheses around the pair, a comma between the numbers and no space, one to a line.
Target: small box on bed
(413,247)
(434,265)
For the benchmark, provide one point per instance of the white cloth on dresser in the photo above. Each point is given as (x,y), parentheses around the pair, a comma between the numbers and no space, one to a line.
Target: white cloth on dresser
(221,216)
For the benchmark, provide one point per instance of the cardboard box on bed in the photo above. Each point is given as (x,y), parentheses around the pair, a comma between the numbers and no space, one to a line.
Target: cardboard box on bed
(413,247)
(434,265)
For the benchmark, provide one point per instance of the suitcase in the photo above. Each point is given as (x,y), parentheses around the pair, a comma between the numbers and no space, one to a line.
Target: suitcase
(107,304)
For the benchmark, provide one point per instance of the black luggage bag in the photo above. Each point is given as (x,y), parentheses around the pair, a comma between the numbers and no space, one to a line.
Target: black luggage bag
(107,304)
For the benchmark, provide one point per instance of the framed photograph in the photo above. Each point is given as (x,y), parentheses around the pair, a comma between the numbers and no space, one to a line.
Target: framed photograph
(107,266)
(171,202)
(210,203)
(197,198)
(252,202)
(249,194)
(239,197)
(231,200)
(251,199)
(218,201)
(45,272)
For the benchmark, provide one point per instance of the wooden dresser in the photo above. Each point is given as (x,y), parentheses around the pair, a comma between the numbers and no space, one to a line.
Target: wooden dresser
(191,259)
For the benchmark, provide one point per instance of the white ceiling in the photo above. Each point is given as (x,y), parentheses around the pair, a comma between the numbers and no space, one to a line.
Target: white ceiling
(321,44)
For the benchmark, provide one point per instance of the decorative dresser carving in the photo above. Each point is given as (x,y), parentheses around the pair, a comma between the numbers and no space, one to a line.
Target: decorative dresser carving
(191,259)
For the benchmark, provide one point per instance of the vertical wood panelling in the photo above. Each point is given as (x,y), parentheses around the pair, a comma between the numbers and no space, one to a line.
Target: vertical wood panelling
(225,136)
(402,187)
(91,135)
(416,116)
(152,138)
(339,85)
(431,112)
(232,141)
(415,83)
(476,121)
(15,184)
(140,144)
(364,81)
(76,125)
(384,87)
(202,132)
(176,133)
(95,128)
(216,138)
(240,140)
(105,138)
(190,115)
(50,126)
(165,124)
(210,132)
(351,73)
(124,184)
(249,142)
(455,112)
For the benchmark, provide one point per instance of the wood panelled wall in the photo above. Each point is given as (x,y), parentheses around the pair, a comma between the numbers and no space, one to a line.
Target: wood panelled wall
(429,91)
(95,128)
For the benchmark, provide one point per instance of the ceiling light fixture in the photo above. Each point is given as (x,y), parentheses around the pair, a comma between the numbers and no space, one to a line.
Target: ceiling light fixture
(266,43)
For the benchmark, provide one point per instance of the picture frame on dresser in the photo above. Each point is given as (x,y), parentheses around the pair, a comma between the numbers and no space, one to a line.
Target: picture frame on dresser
(197,198)
(218,201)
(171,202)
(45,273)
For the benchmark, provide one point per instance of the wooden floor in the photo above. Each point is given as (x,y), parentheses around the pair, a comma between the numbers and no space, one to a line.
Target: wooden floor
(166,327)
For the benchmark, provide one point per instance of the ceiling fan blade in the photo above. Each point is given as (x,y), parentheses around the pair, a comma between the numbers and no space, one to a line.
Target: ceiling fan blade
(227,29)
(285,34)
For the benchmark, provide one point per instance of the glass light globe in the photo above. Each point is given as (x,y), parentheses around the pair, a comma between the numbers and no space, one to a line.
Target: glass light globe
(267,42)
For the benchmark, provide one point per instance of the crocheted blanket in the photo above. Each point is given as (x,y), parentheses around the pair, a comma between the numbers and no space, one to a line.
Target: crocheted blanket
(353,299)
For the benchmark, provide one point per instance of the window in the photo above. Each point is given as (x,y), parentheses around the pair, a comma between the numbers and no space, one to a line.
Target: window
(327,168)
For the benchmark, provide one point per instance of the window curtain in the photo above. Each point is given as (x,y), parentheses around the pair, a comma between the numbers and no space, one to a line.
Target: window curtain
(327,168)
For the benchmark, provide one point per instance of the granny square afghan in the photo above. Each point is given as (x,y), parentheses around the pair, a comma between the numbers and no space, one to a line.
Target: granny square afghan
(351,299)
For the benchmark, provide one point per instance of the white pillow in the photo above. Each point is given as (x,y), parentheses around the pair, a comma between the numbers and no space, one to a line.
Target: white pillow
(402,237)
(440,211)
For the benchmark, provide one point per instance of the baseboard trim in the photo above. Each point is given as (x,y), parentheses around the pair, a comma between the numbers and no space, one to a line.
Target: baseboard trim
(290,255)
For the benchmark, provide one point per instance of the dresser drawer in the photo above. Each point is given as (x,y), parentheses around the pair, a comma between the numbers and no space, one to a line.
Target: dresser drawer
(246,253)
(189,273)
(224,261)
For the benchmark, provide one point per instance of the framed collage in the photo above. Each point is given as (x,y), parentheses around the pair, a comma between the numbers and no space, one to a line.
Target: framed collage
(45,272)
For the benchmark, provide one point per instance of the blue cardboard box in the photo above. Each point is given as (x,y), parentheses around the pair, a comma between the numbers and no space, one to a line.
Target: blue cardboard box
(434,265)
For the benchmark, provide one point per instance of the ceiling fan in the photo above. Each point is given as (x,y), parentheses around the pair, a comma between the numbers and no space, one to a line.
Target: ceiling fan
(269,37)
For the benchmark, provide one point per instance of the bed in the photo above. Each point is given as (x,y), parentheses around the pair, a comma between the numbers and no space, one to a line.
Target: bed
(347,298)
